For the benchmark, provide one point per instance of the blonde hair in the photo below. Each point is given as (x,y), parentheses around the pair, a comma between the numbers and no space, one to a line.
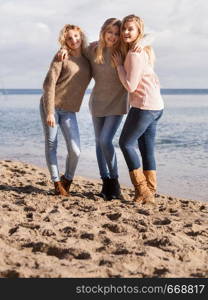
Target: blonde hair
(99,59)
(140,25)
(64,33)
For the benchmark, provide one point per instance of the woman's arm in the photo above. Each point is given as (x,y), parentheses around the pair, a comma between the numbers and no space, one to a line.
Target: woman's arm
(131,75)
(49,85)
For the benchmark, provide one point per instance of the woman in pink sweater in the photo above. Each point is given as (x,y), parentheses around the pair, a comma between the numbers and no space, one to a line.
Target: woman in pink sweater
(138,77)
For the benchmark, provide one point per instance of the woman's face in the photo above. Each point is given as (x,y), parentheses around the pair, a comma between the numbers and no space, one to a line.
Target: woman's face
(73,39)
(130,32)
(111,36)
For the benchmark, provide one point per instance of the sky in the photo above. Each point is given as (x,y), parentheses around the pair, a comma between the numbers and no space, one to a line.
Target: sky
(29,31)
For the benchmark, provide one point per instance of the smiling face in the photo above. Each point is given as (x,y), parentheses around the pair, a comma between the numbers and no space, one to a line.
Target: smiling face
(73,39)
(111,36)
(130,32)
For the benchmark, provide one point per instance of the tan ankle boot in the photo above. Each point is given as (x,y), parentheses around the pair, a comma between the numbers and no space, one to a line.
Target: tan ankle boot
(66,183)
(59,189)
(151,179)
(142,192)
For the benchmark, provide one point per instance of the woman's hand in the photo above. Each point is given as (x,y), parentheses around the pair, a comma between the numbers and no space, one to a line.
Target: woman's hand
(93,45)
(117,59)
(50,120)
(137,48)
(62,54)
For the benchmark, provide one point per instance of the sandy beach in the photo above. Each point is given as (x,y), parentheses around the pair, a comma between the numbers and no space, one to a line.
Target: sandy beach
(43,235)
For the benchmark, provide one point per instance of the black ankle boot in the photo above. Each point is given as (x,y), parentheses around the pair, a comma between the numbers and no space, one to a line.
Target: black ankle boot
(106,189)
(115,188)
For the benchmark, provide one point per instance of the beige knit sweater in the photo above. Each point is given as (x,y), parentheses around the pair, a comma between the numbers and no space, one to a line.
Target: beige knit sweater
(108,96)
(65,84)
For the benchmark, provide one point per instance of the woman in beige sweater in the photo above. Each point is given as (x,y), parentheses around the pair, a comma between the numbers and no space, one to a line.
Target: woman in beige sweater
(63,91)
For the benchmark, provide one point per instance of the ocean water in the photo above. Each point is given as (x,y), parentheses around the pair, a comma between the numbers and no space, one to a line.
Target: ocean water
(181,144)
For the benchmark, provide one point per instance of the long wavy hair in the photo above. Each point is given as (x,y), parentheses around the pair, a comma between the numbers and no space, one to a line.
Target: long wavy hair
(102,44)
(125,47)
(64,33)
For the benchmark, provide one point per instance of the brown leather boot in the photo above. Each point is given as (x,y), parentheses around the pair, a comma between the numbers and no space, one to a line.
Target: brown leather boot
(151,179)
(59,189)
(66,183)
(142,192)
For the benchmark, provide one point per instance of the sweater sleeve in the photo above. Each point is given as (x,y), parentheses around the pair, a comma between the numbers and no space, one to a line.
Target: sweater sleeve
(49,85)
(131,74)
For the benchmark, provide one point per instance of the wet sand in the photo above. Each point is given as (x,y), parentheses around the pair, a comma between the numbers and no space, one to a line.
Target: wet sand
(43,235)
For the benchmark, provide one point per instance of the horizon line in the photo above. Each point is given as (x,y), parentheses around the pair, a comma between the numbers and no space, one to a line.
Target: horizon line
(164,91)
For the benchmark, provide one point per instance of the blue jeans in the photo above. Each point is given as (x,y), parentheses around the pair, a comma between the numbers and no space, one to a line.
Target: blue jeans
(139,131)
(69,127)
(105,129)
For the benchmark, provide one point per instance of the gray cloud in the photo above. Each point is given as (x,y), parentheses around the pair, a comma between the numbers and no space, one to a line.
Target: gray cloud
(29,31)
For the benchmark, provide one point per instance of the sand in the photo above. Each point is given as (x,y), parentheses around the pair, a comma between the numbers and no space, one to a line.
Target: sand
(48,236)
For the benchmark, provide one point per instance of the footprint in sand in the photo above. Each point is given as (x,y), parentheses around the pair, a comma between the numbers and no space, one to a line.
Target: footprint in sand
(9,274)
(13,230)
(114,217)
(88,236)
(160,271)
(48,232)
(68,231)
(29,215)
(46,219)
(121,251)
(106,241)
(164,221)
(112,227)
(157,242)
(29,208)
(143,212)
(106,263)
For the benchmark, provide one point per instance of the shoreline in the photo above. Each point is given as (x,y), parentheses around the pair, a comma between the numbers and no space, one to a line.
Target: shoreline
(166,184)
(42,235)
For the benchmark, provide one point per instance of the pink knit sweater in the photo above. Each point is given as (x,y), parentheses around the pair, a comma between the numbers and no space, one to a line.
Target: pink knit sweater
(139,79)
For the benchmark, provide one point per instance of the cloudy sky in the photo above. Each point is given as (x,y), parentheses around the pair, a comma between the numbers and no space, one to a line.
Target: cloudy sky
(29,31)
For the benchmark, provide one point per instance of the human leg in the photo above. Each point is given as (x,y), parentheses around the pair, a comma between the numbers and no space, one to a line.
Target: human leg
(98,123)
(70,131)
(147,149)
(108,131)
(136,124)
(51,143)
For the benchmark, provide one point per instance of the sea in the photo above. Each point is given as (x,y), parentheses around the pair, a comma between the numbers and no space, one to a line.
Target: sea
(181,142)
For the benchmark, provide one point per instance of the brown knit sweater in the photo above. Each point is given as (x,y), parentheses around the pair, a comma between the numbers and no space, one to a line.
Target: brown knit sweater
(108,96)
(65,84)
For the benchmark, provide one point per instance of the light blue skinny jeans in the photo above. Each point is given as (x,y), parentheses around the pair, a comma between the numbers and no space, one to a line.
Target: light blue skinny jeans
(69,127)
(105,129)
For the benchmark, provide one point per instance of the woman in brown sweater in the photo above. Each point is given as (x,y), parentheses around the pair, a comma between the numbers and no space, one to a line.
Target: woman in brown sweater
(63,91)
